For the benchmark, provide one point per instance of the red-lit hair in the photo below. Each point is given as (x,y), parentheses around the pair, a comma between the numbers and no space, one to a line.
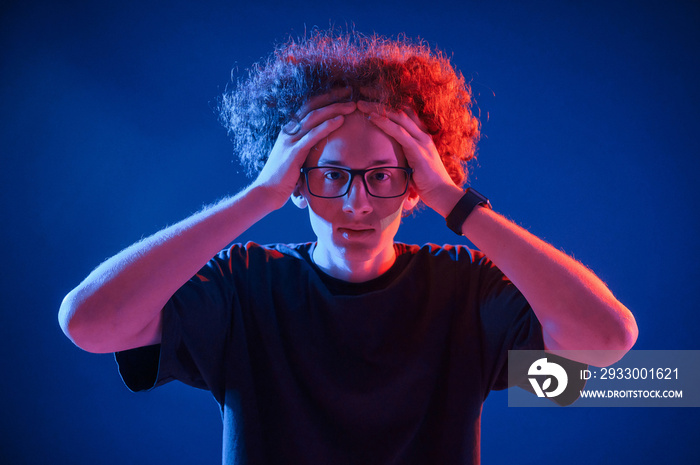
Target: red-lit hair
(398,73)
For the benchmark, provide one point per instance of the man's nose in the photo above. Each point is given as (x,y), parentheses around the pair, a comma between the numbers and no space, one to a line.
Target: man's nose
(357,200)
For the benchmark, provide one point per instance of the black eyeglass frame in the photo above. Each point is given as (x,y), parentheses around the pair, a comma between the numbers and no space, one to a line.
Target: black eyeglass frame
(361,173)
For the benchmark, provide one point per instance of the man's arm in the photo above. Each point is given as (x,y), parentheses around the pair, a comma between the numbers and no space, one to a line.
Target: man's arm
(118,306)
(576,309)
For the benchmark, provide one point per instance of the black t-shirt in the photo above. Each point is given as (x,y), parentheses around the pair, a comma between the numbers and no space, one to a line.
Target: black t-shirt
(309,369)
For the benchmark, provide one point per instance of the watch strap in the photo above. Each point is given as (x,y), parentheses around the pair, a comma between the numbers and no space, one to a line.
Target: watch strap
(469,201)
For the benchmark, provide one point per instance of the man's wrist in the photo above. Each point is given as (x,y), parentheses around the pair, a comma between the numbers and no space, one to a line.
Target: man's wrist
(445,199)
(470,200)
(268,197)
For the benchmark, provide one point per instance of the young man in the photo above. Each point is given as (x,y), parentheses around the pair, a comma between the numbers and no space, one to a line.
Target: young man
(353,348)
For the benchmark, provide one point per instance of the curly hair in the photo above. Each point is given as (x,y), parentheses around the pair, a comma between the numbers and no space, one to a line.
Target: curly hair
(398,73)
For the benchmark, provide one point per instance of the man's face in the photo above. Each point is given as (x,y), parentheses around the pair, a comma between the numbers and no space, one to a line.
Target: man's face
(357,226)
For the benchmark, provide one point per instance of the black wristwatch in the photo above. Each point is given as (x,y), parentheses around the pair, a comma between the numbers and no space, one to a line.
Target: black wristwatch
(464,207)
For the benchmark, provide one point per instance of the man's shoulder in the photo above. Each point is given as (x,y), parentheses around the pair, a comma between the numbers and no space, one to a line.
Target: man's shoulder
(268,251)
(253,256)
(449,252)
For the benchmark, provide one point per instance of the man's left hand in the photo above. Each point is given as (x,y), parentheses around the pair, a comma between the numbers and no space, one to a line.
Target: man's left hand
(430,178)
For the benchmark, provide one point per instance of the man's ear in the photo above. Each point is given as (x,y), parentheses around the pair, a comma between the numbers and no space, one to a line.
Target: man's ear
(411,200)
(298,197)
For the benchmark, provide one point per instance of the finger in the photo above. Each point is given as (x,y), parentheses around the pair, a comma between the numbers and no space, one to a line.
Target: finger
(371,107)
(319,115)
(291,152)
(402,129)
(408,119)
(318,133)
(394,130)
(411,113)
(339,95)
(292,127)
(297,129)
(370,94)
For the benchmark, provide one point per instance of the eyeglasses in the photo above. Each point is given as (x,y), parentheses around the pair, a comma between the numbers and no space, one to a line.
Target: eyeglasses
(330,182)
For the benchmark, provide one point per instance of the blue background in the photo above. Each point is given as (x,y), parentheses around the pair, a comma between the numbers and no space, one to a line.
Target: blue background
(108,133)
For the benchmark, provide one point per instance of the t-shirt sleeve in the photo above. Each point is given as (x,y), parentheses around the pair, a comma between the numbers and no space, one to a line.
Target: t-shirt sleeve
(197,323)
(509,323)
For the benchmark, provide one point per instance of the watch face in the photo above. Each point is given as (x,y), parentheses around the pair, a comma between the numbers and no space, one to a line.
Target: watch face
(479,199)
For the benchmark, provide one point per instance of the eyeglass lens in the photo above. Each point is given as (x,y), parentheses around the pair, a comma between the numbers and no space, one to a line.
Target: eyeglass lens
(335,182)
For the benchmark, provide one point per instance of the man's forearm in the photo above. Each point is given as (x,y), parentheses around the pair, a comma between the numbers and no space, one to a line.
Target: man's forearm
(118,305)
(576,309)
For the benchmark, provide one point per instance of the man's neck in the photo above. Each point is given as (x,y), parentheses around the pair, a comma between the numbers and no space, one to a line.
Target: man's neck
(355,271)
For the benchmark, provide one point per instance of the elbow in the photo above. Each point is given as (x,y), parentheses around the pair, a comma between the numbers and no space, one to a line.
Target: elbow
(94,323)
(619,340)
(73,318)
(625,331)
(66,315)
(629,333)
(600,344)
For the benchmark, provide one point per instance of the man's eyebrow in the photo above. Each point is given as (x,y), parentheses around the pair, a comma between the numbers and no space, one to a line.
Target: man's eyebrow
(325,161)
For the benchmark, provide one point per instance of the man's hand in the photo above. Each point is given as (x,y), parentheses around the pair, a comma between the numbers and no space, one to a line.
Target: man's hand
(314,121)
(430,178)
(576,309)
(118,306)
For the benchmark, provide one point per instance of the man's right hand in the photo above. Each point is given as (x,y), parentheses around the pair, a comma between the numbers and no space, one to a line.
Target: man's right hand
(118,306)
(315,120)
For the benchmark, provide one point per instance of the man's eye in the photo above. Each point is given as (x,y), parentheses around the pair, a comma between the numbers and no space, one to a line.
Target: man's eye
(333,175)
(380,176)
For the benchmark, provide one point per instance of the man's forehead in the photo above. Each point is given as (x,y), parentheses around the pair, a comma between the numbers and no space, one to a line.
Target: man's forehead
(359,141)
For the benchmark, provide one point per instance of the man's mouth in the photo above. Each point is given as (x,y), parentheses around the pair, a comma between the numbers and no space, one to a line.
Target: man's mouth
(355,231)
